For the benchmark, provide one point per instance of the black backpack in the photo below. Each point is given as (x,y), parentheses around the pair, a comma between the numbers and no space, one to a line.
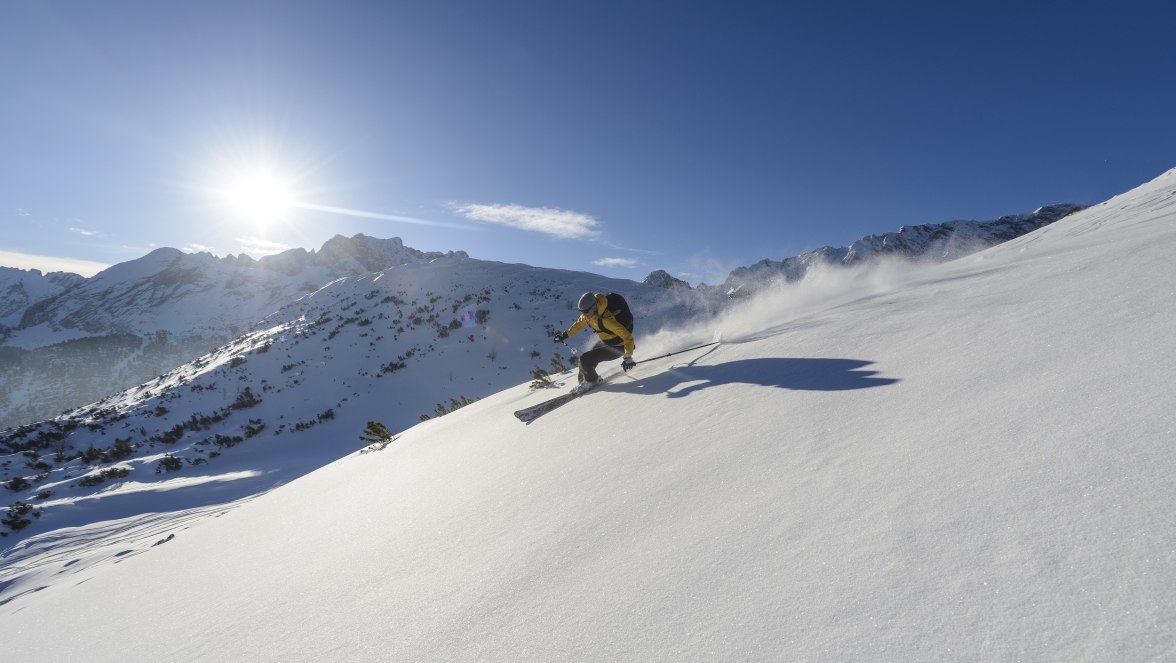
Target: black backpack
(620,310)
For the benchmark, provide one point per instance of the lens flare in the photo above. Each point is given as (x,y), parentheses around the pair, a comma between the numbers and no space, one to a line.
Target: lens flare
(259,196)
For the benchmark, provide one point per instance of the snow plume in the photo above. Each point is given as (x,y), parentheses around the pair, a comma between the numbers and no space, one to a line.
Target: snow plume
(779,306)
(774,307)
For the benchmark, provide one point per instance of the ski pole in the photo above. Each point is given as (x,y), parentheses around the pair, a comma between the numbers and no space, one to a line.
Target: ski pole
(575,359)
(671,354)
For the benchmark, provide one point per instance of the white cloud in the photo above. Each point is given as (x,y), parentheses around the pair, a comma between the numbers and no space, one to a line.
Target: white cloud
(564,224)
(23,212)
(198,248)
(626,263)
(49,264)
(83,232)
(257,247)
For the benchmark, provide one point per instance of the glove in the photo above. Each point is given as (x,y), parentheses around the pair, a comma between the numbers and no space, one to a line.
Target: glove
(628,362)
(560,337)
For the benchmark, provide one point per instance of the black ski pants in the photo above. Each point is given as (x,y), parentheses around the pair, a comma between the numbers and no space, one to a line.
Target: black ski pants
(601,352)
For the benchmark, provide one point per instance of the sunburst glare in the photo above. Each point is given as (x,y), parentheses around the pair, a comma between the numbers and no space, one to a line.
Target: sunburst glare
(259,195)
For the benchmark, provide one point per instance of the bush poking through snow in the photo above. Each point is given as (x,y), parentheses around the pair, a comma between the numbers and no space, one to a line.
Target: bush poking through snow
(541,379)
(377,436)
(169,464)
(15,519)
(103,476)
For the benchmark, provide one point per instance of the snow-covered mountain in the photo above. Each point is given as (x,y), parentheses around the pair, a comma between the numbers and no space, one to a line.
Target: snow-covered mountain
(662,279)
(22,288)
(66,340)
(938,242)
(178,293)
(86,338)
(969,460)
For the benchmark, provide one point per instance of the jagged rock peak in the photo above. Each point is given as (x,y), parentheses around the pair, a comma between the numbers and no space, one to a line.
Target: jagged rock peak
(349,255)
(955,239)
(660,278)
(17,275)
(375,254)
(792,269)
(21,288)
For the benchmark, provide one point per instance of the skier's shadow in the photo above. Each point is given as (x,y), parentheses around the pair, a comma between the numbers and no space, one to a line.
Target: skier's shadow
(804,374)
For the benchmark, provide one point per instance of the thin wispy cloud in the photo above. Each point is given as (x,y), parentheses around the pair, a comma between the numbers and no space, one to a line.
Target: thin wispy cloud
(255,246)
(625,263)
(23,212)
(197,248)
(376,215)
(83,232)
(564,224)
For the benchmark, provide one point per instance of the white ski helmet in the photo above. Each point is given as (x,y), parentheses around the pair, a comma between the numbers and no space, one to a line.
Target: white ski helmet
(587,303)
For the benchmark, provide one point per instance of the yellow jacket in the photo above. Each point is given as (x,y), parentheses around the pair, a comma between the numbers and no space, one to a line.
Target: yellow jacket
(605,324)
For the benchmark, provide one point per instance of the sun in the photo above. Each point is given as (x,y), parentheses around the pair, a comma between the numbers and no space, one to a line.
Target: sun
(259,195)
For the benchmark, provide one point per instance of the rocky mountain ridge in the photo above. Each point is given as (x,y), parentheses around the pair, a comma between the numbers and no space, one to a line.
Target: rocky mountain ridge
(937,242)
(169,290)
(66,340)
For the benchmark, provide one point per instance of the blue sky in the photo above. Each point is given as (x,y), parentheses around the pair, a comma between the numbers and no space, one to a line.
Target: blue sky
(614,137)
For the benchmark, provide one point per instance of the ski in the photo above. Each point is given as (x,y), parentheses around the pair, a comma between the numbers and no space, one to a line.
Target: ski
(529,414)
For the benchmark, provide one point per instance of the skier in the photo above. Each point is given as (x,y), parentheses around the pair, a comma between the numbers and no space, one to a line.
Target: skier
(609,316)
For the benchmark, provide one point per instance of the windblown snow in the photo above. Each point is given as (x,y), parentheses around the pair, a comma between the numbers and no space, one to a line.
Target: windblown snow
(969,461)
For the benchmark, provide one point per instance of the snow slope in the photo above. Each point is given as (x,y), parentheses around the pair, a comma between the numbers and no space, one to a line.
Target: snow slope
(294,394)
(971,461)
